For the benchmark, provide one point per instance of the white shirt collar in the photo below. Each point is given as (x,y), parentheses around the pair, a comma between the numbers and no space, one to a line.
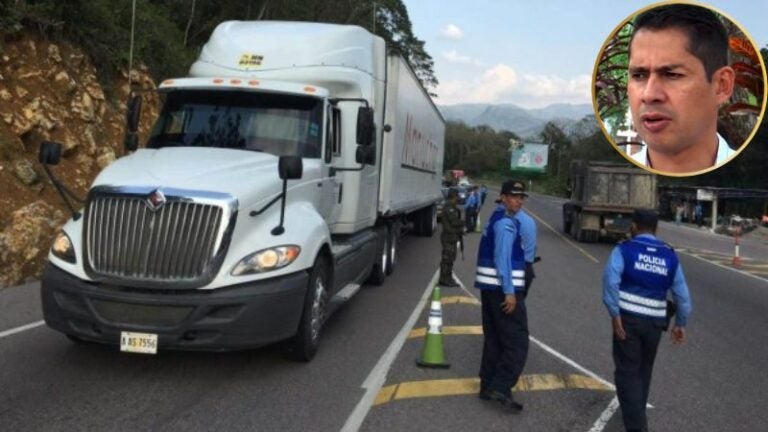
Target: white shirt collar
(724,152)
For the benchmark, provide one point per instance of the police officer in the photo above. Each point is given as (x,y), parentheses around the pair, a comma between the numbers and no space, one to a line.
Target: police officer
(452,230)
(501,279)
(470,209)
(636,279)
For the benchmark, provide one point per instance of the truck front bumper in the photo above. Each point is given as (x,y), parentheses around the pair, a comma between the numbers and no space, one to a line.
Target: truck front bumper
(238,317)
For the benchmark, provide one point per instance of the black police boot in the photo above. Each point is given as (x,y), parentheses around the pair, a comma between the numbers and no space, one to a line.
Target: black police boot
(447,282)
(506,401)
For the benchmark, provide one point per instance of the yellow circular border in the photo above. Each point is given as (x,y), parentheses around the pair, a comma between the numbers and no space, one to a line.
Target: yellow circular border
(601,123)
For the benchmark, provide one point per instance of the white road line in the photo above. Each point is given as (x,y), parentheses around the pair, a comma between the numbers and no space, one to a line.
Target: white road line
(378,375)
(565,239)
(725,267)
(570,362)
(21,329)
(605,417)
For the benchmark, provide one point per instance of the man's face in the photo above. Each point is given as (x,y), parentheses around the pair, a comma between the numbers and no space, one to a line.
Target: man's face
(513,203)
(674,106)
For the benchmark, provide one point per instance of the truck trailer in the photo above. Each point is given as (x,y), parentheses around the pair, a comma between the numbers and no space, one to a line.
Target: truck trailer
(603,197)
(276,181)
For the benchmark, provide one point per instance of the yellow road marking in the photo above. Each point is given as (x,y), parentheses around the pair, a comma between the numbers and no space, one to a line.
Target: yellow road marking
(460,300)
(448,330)
(464,386)
(385,394)
(566,239)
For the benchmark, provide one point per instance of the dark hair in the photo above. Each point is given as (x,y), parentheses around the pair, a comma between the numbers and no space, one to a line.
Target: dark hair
(707,37)
(645,219)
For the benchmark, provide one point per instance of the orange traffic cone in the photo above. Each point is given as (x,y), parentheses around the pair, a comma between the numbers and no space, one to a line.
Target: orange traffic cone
(432,355)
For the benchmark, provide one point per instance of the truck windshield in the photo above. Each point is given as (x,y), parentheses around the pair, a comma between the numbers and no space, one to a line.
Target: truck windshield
(279,124)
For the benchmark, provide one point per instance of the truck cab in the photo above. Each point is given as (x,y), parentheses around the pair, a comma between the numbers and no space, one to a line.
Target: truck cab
(275,182)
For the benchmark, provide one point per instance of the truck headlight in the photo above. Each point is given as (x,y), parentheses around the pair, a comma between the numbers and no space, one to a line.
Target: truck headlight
(267,260)
(62,248)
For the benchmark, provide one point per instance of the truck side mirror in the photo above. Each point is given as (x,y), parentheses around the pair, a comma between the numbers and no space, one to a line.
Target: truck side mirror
(131,142)
(365,155)
(133,114)
(50,153)
(365,127)
(290,167)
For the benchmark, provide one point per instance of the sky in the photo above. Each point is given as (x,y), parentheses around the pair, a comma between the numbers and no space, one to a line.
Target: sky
(533,53)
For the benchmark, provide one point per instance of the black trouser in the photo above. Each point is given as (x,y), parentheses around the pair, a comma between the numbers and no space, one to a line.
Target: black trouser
(634,357)
(505,342)
(470,213)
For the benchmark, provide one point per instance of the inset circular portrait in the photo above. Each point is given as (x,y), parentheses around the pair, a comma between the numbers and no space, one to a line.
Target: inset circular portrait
(679,88)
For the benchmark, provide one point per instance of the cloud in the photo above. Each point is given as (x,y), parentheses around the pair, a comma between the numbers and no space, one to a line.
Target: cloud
(453,56)
(503,84)
(452,31)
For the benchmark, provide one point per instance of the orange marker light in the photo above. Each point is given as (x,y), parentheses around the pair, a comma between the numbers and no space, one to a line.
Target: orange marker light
(218,81)
(309,89)
(253,82)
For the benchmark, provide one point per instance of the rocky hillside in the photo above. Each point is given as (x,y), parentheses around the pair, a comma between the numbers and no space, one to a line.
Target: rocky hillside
(51,91)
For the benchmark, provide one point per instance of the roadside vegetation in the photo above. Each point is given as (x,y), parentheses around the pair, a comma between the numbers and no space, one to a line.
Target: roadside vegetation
(170,33)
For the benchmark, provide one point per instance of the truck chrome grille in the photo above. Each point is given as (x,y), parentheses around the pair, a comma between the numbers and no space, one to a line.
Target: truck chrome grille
(147,237)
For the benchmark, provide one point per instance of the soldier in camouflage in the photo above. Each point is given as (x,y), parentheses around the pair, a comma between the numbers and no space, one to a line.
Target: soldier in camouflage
(453,228)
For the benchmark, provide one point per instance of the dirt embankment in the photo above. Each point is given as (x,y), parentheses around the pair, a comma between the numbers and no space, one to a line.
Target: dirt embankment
(50,91)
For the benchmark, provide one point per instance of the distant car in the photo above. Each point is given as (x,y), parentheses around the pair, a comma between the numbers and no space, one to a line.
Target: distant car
(463,193)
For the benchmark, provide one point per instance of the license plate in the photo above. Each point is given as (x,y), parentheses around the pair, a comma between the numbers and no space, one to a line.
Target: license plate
(143,343)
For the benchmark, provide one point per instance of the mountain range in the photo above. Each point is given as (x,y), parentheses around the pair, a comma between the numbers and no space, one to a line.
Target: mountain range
(573,119)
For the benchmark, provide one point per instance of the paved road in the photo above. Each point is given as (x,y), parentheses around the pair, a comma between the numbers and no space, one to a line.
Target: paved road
(365,375)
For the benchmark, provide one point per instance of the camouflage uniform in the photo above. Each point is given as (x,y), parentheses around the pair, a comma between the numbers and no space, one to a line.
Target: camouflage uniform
(453,228)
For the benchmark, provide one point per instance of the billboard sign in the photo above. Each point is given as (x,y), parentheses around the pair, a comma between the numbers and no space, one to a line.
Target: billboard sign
(529,157)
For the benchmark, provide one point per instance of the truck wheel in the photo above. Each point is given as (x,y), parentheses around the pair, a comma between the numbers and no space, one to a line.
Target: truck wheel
(380,267)
(392,251)
(76,339)
(426,222)
(307,339)
(578,233)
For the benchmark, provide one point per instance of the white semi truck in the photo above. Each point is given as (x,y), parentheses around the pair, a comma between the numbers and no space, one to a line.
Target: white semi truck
(276,181)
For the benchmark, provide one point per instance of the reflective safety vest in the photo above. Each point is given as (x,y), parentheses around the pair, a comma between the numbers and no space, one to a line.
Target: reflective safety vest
(649,270)
(486,276)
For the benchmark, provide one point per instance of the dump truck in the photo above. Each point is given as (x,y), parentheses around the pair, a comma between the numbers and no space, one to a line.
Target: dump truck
(276,181)
(603,197)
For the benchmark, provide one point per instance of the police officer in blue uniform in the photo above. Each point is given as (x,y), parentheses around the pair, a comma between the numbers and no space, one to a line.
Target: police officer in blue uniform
(500,277)
(528,238)
(636,279)
(528,233)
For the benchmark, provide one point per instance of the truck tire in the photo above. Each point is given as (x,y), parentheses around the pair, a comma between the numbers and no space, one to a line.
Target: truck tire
(304,345)
(380,268)
(567,222)
(393,232)
(76,339)
(576,231)
(426,221)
